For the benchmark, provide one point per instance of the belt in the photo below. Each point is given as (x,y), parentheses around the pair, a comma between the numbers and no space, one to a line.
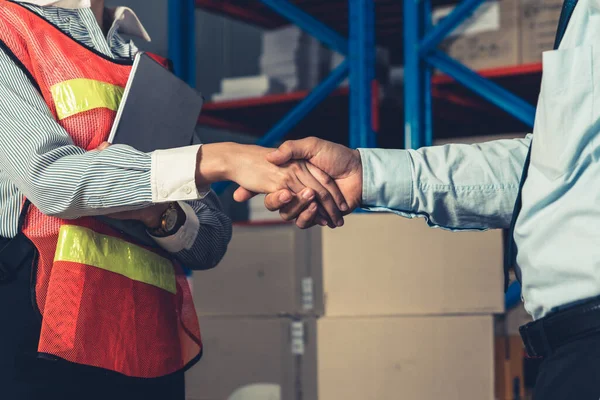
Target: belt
(545,335)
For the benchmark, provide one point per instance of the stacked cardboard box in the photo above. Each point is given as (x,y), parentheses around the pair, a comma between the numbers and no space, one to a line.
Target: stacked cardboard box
(489,38)
(538,21)
(502,33)
(382,308)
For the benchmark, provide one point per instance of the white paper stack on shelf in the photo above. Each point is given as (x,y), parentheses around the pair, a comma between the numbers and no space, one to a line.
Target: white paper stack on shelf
(248,86)
(293,58)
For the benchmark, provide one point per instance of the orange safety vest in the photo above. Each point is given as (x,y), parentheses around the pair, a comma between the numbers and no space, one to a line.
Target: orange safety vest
(105,301)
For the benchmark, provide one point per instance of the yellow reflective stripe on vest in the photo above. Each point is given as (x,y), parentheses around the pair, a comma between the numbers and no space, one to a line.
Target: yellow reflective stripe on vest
(79,95)
(84,246)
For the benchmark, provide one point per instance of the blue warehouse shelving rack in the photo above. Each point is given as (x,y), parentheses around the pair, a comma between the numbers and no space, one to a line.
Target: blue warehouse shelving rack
(443,105)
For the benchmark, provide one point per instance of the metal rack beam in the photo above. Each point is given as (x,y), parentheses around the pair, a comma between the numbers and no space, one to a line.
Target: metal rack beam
(361,18)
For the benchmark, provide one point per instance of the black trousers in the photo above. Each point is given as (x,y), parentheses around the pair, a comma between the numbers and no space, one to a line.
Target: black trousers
(24,376)
(571,372)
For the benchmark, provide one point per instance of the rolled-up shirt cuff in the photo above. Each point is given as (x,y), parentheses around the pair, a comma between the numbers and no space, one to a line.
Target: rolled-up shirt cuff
(186,236)
(387,179)
(173,175)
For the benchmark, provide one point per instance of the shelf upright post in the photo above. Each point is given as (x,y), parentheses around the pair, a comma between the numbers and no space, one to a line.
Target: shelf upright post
(425,69)
(182,46)
(182,39)
(413,104)
(361,45)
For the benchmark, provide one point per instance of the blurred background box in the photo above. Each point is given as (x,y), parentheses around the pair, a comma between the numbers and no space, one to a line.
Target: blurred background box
(240,353)
(258,213)
(488,39)
(378,264)
(417,358)
(539,19)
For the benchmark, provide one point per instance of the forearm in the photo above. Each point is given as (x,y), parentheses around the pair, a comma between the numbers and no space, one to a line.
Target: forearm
(453,186)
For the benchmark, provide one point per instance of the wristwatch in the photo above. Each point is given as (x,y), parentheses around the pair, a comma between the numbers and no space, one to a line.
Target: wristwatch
(171,221)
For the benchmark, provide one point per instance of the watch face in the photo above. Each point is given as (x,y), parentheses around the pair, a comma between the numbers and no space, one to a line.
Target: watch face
(170,220)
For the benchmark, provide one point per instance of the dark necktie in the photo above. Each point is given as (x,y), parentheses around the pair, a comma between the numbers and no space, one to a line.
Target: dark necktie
(510,257)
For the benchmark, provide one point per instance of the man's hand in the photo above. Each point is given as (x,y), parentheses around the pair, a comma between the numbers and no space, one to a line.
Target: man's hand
(334,164)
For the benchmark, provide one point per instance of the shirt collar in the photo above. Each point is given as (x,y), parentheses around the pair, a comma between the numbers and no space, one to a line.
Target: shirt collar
(124,19)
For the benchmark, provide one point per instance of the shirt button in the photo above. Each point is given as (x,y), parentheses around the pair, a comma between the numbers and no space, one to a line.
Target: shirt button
(164,194)
(187,190)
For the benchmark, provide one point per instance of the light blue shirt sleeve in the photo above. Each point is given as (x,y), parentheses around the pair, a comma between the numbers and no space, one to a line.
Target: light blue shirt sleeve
(455,186)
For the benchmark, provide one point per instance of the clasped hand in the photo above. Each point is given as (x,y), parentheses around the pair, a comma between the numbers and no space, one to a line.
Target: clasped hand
(311,181)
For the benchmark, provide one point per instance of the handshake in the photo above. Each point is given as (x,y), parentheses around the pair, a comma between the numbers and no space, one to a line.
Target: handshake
(312,181)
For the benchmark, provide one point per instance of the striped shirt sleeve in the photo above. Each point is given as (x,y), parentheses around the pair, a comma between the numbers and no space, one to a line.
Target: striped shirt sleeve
(213,236)
(59,178)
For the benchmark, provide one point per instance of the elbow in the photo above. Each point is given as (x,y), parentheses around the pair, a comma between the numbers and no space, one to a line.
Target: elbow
(216,259)
(54,210)
(52,205)
(216,240)
(225,233)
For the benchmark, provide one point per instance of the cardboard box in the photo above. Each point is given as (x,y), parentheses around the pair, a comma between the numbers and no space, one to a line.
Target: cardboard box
(377,264)
(488,39)
(420,358)
(247,355)
(539,21)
